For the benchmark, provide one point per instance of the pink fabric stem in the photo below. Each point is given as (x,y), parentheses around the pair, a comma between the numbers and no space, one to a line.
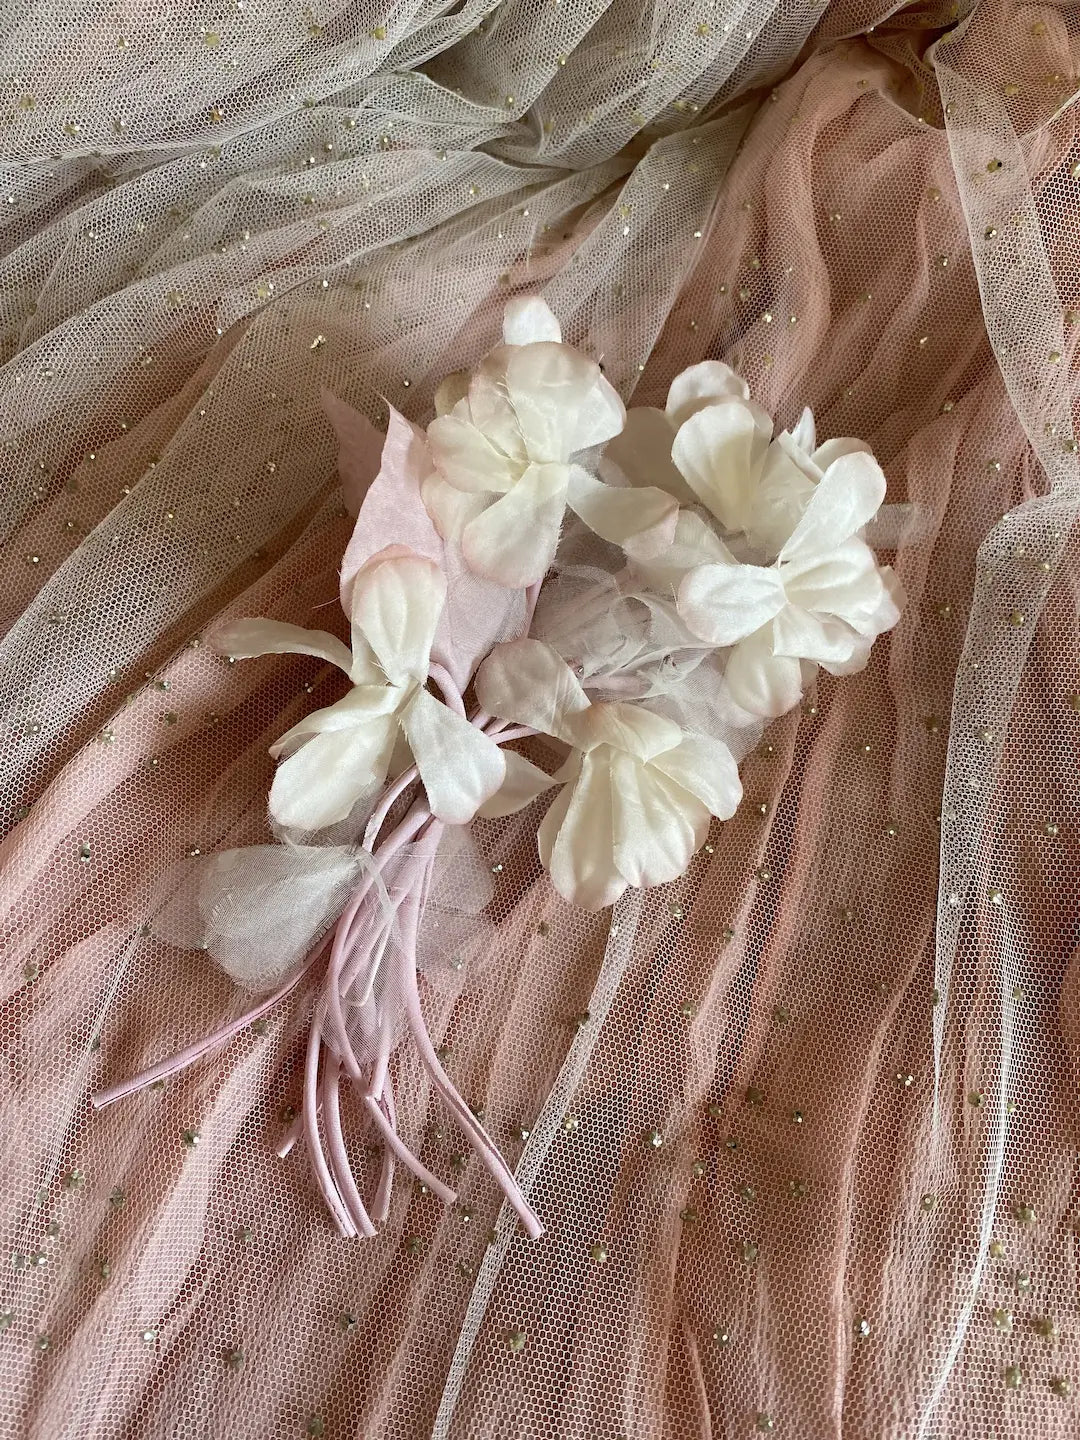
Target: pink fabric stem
(383,1195)
(335,1141)
(325,1180)
(292,1135)
(450,693)
(183,1058)
(405,1155)
(336,988)
(483,1144)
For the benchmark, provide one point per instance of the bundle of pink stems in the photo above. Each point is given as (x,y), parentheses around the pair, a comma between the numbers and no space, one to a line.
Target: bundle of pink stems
(359,947)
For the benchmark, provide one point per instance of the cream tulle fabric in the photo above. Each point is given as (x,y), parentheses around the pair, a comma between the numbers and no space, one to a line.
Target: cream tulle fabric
(802,1126)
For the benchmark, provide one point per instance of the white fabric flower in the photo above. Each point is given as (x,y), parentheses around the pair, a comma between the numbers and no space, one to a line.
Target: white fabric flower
(712,447)
(502,443)
(641,452)
(338,755)
(824,600)
(637,793)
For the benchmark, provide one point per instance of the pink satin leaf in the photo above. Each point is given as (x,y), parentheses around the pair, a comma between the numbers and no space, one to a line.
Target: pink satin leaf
(477,614)
(393,511)
(359,447)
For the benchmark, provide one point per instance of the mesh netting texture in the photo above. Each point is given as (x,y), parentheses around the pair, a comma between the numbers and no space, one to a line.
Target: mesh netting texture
(801,1126)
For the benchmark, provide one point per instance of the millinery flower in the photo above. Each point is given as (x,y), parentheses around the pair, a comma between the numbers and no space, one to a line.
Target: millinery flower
(641,452)
(637,792)
(751,486)
(713,448)
(338,755)
(502,443)
(824,600)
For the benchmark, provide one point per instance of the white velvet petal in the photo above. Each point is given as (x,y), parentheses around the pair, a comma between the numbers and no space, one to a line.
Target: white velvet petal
(321,783)
(846,583)
(830,450)
(867,603)
(244,639)
(787,480)
(397,600)
(362,706)
(640,519)
(714,451)
(761,682)
(706,768)
(466,458)
(599,416)
(657,825)
(451,509)
(451,389)
(524,782)
(630,728)
(808,636)
(847,496)
(703,384)
(804,433)
(491,410)
(513,542)
(856,661)
(561,400)
(528,319)
(575,839)
(460,766)
(641,453)
(527,682)
(695,543)
(725,603)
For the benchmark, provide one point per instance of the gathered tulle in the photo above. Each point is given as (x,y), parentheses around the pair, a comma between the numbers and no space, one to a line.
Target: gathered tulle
(801,1126)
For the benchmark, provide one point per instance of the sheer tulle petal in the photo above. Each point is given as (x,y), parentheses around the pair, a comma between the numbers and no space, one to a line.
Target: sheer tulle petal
(258,909)
(459,765)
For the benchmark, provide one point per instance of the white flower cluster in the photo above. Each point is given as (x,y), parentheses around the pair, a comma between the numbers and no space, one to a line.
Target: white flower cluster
(750,543)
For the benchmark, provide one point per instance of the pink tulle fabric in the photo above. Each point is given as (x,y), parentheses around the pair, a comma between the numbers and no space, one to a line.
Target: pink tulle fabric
(802,1126)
